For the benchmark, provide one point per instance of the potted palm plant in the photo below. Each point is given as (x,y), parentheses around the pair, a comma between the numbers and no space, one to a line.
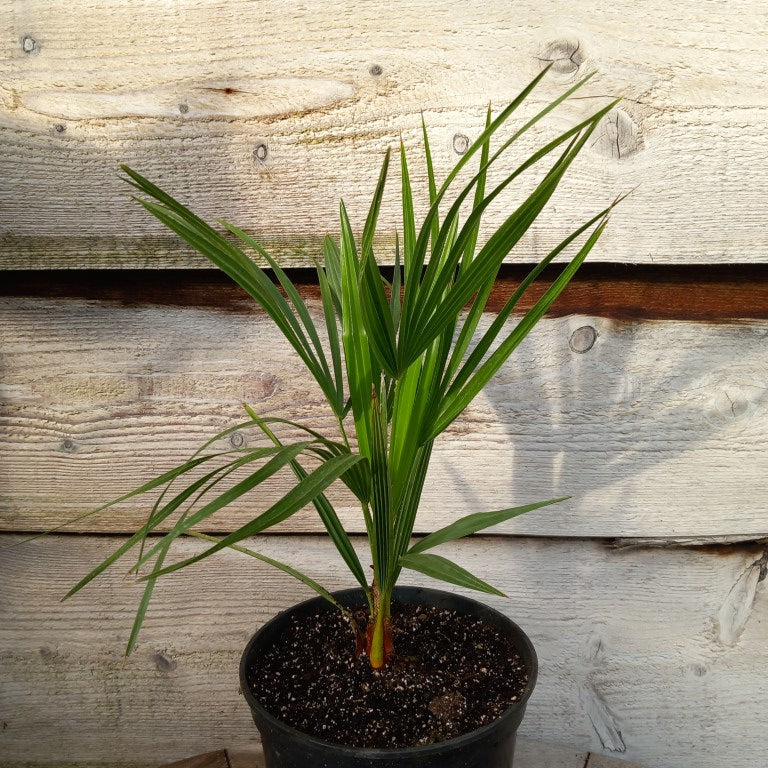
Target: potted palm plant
(397,362)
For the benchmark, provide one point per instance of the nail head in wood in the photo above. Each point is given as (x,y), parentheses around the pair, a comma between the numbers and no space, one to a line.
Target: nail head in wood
(28,44)
(375,70)
(261,152)
(59,127)
(460,143)
(237,440)
(68,445)
(183,108)
(697,670)
(583,339)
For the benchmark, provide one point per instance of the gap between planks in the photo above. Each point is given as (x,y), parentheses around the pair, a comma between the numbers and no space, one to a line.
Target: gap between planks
(704,293)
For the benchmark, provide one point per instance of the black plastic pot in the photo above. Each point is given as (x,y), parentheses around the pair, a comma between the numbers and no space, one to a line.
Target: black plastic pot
(489,747)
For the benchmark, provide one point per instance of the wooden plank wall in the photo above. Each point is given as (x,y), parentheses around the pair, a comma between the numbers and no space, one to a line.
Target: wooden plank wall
(644,394)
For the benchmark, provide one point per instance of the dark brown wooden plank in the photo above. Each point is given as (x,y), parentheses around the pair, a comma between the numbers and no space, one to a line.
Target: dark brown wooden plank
(245,758)
(711,293)
(602,761)
(208,760)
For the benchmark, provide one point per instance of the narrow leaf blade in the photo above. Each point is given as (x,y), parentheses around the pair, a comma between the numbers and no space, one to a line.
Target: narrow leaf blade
(476,522)
(297,498)
(441,568)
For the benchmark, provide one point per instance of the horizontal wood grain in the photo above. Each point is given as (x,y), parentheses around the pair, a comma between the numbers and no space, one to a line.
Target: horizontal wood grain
(655,428)
(647,655)
(268,113)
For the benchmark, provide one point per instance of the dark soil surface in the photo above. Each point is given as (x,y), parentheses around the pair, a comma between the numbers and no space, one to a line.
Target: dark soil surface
(449,674)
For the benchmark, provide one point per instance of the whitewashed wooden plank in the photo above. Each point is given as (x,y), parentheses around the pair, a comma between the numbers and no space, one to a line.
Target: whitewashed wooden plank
(654,656)
(658,429)
(254,110)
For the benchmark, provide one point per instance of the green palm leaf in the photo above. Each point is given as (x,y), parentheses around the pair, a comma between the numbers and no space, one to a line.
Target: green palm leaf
(298,497)
(357,356)
(439,278)
(455,402)
(445,570)
(238,266)
(328,514)
(440,312)
(283,457)
(474,523)
(139,536)
(332,330)
(381,492)
(332,260)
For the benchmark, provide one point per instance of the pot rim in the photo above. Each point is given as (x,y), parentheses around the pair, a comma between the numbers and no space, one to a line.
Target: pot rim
(522,642)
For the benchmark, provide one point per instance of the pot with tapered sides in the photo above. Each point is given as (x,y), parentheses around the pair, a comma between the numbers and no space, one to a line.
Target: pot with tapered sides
(491,746)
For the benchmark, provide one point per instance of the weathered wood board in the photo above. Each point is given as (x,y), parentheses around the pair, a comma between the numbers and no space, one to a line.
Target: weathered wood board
(266,113)
(657,429)
(648,655)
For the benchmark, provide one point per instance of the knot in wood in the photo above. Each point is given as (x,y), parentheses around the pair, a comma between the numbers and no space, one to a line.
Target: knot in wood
(617,135)
(734,398)
(564,54)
